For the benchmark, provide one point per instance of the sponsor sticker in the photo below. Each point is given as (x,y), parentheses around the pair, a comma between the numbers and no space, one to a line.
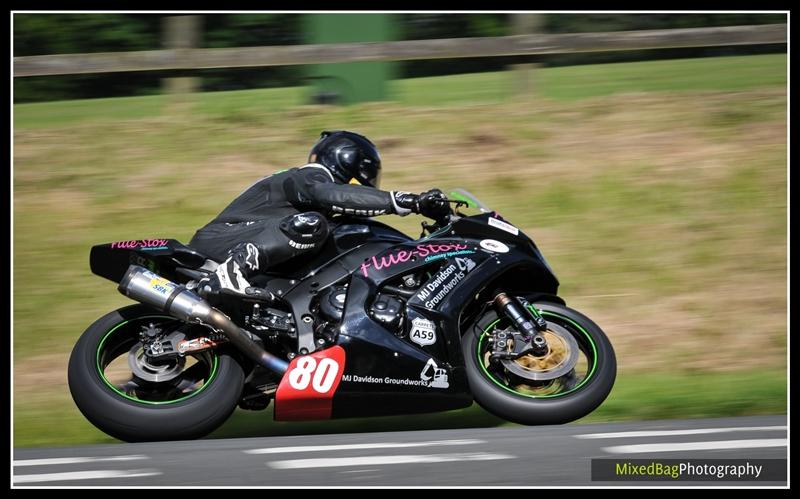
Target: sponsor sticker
(428,251)
(465,264)
(432,376)
(495,246)
(435,290)
(503,226)
(146,244)
(423,331)
(162,285)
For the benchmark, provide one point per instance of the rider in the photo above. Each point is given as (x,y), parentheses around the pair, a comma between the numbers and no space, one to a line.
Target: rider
(284,215)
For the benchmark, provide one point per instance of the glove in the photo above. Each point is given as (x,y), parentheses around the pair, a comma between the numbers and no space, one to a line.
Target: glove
(433,204)
(405,203)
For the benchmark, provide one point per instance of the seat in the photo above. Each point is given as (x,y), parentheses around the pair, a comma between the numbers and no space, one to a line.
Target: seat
(188,257)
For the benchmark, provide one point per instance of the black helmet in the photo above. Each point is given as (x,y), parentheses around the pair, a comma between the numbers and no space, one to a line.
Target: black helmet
(348,156)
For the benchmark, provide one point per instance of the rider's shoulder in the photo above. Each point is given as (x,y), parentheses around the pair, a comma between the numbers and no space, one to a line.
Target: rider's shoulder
(315,171)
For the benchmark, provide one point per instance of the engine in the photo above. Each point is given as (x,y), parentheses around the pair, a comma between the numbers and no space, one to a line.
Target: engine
(329,309)
(388,310)
(331,303)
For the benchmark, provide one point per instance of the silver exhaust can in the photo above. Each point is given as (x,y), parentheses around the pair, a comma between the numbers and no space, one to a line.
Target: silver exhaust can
(150,288)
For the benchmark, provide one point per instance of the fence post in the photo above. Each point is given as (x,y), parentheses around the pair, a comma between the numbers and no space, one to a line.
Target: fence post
(524,74)
(181,32)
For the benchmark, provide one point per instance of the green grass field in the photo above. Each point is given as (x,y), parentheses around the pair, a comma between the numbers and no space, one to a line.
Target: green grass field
(730,74)
(657,191)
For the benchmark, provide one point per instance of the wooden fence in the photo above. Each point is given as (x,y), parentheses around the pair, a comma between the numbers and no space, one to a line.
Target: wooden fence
(195,58)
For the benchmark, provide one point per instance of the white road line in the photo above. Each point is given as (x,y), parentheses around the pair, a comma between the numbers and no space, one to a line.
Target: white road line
(73,460)
(683,446)
(292,464)
(83,475)
(666,433)
(382,445)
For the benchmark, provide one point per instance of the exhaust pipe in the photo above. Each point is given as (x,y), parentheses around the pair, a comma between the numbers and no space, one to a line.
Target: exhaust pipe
(151,289)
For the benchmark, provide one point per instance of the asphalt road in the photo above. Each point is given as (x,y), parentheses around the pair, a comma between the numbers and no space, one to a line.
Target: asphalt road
(511,456)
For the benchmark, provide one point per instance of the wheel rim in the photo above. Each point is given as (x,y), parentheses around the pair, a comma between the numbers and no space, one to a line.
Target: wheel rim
(559,387)
(119,346)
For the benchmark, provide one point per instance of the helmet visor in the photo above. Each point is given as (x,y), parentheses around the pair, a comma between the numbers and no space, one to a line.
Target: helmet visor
(369,172)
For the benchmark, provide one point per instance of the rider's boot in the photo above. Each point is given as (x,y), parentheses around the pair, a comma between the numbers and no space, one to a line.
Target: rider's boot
(230,277)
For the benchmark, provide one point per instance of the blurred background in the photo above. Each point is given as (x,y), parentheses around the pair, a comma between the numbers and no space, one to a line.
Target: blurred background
(653,179)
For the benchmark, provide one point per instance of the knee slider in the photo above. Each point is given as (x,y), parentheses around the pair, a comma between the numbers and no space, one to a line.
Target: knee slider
(305,230)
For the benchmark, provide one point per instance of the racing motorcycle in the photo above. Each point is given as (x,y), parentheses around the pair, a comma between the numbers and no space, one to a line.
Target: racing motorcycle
(375,324)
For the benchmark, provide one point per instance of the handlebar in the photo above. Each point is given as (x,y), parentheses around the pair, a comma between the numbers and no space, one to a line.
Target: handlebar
(446,219)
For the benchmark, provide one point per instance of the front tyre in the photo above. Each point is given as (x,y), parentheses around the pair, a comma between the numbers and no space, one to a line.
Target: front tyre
(561,400)
(131,399)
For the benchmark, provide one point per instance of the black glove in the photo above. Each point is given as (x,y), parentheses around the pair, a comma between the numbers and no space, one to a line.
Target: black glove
(433,204)
(405,203)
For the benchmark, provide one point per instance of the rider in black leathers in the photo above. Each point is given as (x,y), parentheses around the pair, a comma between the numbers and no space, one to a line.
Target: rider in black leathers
(284,215)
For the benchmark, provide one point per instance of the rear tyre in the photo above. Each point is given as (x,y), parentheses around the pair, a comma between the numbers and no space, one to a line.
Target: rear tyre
(185,399)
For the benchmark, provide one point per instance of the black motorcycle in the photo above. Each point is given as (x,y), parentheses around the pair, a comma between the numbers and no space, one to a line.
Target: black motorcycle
(375,324)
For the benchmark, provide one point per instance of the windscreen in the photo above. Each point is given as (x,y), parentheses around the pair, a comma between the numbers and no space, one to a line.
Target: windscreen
(472,202)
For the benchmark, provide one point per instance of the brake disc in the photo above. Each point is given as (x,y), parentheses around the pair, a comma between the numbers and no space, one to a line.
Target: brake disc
(560,358)
(156,373)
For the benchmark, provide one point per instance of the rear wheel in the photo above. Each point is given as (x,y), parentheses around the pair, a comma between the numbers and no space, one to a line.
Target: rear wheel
(131,397)
(567,382)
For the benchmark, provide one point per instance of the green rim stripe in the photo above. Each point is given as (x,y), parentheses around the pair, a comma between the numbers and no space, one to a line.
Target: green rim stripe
(535,312)
(543,312)
(110,385)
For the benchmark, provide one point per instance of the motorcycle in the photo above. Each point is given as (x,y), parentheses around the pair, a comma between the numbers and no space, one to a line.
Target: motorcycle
(375,324)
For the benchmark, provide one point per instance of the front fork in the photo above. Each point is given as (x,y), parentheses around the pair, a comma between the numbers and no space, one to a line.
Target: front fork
(529,323)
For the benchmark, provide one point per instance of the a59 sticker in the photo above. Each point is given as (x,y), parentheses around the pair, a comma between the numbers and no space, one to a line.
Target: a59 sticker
(423,332)
(307,388)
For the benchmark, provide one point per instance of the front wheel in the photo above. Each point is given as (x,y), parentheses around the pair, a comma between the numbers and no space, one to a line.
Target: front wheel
(133,398)
(529,392)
